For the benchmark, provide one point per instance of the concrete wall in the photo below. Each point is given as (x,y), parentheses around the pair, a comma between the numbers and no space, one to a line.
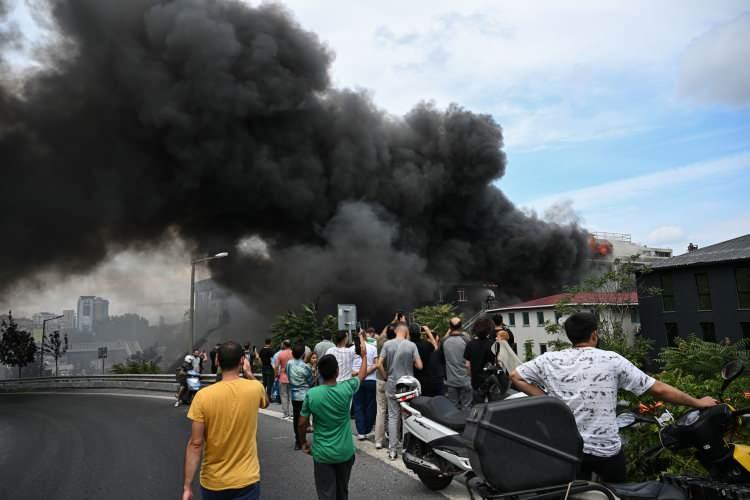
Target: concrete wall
(725,313)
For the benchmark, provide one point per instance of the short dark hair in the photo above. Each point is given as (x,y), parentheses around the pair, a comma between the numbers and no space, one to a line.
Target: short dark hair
(390,332)
(328,367)
(268,341)
(230,355)
(415,332)
(455,325)
(580,326)
(298,350)
(498,319)
(370,330)
(286,344)
(483,328)
(341,336)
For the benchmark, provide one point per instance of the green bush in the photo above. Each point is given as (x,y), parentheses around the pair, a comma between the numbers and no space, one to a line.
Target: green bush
(693,366)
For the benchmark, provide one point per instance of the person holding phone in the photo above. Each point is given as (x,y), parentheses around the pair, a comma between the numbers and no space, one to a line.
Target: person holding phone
(333,446)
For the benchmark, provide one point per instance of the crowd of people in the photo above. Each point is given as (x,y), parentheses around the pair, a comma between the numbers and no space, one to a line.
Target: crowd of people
(321,386)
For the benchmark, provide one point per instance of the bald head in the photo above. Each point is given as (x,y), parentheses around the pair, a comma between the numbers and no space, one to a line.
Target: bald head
(455,323)
(402,331)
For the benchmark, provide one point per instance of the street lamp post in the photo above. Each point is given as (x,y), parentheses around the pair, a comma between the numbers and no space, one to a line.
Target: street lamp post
(41,351)
(219,255)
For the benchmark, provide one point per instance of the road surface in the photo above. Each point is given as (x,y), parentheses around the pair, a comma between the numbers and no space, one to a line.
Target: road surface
(98,446)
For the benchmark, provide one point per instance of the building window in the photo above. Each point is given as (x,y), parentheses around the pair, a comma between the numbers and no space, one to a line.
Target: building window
(86,309)
(745,330)
(709,332)
(542,348)
(704,292)
(512,319)
(461,295)
(667,293)
(742,276)
(672,333)
(540,318)
(525,319)
(558,316)
(635,316)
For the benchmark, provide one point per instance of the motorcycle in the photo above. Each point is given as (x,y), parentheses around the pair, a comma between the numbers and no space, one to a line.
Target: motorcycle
(707,433)
(193,385)
(516,447)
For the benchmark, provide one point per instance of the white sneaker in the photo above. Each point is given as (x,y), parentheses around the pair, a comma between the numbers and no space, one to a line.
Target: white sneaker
(176,403)
(392,455)
(378,446)
(361,437)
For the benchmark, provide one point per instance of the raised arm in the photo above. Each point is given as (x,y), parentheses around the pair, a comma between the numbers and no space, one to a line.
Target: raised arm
(363,354)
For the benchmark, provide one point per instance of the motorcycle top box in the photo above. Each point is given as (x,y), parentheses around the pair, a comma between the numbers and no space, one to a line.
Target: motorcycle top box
(524,443)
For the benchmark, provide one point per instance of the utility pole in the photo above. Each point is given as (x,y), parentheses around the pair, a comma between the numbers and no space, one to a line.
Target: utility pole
(219,255)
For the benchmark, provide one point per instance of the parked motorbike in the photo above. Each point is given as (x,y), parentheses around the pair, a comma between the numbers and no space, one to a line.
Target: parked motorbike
(515,448)
(193,384)
(708,433)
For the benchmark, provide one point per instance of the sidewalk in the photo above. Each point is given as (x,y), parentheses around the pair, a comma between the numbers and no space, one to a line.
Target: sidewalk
(456,490)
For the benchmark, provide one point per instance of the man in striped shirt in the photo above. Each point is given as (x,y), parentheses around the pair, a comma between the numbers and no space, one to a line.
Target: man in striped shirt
(344,356)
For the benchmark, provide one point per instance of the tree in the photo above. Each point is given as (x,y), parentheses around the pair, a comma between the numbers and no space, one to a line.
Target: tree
(17,347)
(55,346)
(307,325)
(437,317)
(141,362)
(614,289)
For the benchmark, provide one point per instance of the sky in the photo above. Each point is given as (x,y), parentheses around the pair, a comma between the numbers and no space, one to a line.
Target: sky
(630,117)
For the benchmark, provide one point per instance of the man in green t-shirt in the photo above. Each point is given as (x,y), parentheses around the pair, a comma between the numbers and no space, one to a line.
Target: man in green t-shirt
(333,444)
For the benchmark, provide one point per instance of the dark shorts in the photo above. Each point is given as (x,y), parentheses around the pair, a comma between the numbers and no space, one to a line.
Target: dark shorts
(251,492)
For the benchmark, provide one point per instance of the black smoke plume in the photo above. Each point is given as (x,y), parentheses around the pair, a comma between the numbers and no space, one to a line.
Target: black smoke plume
(217,120)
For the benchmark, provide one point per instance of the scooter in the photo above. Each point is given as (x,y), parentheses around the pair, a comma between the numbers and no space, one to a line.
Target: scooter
(515,448)
(193,385)
(707,432)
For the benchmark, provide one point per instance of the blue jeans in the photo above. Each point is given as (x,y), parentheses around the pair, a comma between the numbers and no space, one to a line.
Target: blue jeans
(251,492)
(365,407)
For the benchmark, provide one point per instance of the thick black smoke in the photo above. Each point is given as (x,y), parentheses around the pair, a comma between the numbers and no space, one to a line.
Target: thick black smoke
(217,119)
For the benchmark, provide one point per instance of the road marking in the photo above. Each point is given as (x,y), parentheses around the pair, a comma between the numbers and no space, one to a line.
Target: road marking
(78,393)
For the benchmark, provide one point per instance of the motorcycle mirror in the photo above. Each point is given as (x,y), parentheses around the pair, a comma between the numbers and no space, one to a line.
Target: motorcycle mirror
(625,420)
(730,372)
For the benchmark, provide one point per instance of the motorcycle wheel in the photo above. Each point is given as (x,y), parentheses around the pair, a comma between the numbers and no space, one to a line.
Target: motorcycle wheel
(433,481)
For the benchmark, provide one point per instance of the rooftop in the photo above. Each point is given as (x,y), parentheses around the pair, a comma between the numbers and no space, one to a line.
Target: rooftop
(730,250)
(581,299)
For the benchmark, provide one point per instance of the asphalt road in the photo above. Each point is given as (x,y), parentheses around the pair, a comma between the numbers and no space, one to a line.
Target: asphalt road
(75,446)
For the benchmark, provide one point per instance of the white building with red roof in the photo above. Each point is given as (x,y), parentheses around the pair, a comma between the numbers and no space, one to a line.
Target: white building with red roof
(527,320)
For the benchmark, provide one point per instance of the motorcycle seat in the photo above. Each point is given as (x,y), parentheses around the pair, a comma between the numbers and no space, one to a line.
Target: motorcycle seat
(652,490)
(440,409)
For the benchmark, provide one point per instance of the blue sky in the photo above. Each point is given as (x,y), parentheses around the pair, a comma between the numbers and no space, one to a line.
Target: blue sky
(595,100)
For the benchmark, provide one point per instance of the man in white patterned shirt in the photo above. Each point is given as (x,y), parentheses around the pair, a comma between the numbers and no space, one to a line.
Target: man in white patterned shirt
(587,380)
(344,356)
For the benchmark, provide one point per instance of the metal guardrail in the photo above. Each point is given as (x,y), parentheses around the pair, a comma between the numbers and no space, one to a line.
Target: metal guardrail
(138,381)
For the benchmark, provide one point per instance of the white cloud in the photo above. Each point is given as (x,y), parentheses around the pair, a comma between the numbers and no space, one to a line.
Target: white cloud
(633,188)
(551,60)
(715,66)
(666,235)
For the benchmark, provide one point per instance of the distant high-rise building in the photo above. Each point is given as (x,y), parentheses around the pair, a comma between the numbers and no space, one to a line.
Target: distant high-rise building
(69,319)
(91,309)
(101,310)
(85,314)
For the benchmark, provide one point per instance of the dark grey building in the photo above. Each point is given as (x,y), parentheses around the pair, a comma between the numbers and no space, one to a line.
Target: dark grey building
(705,292)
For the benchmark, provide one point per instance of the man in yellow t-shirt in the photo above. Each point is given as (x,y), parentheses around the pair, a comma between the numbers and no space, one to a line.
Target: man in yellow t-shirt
(225,419)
